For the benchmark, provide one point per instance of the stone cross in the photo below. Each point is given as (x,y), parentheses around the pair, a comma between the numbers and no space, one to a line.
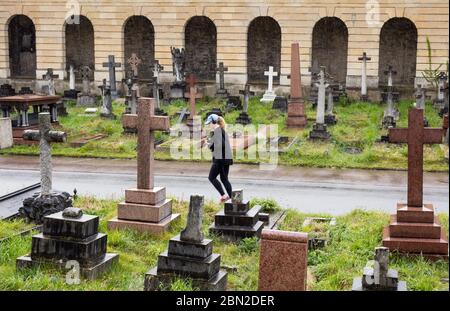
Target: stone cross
(322,86)
(415,136)
(112,65)
(49,76)
(270,74)
(222,69)
(134,63)
(420,97)
(193,231)
(71,78)
(193,94)
(146,123)
(45,136)
(85,72)
(364,60)
(330,102)
(442,78)
(247,93)
(390,96)
(156,70)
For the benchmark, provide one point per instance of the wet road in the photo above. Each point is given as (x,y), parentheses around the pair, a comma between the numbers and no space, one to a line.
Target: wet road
(308,190)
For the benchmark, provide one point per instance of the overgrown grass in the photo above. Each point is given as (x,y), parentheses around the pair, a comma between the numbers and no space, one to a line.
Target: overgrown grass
(358,126)
(352,243)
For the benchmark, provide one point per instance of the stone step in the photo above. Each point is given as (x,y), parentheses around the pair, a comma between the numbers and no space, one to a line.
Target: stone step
(177,247)
(416,245)
(414,229)
(247,220)
(144,212)
(56,225)
(157,228)
(187,266)
(236,233)
(237,209)
(423,214)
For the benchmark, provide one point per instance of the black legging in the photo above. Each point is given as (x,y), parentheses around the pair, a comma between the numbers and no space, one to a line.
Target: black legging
(219,168)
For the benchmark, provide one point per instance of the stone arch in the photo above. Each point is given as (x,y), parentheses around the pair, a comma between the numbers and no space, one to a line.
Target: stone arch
(330,47)
(200,41)
(80,45)
(22,47)
(398,48)
(139,38)
(263,49)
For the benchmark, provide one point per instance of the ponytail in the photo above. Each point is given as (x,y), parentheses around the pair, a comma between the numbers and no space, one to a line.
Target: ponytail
(221,122)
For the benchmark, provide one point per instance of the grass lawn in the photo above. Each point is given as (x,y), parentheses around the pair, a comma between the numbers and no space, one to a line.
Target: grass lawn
(358,126)
(352,244)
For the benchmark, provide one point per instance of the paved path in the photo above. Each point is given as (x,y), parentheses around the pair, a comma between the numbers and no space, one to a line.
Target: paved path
(305,189)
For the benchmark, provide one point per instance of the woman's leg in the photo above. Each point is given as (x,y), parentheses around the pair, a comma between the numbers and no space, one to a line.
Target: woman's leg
(213,173)
(224,179)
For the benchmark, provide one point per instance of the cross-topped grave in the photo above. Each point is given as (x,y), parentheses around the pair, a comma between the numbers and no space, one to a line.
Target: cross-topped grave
(47,201)
(296,107)
(364,59)
(85,98)
(243,117)
(414,228)
(269,95)
(134,61)
(49,76)
(71,92)
(146,207)
(157,68)
(391,115)
(112,65)
(222,92)
(193,94)
(319,130)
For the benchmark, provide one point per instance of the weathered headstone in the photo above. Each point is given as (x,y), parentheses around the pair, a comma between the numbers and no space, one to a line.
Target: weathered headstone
(415,229)
(6,134)
(70,237)
(330,118)
(86,98)
(440,98)
(237,221)
(280,103)
(107,108)
(48,201)
(222,91)
(132,96)
(269,95)
(243,117)
(72,93)
(319,130)
(283,261)
(49,76)
(112,65)
(189,255)
(379,277)
(364,59)
(391,114)
(178,64)
(146,207)
(296,107)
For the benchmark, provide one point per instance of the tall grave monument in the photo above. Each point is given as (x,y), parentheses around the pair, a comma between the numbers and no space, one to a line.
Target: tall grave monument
(364,59)
(189,255)
(296,107)
(112,65)
(415,228)
(391,114)
(319,130)
(146,208)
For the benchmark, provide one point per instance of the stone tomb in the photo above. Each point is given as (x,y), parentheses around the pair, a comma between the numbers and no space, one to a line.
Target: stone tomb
(146,208)
(379,277)
(70,236)
(237,221)
(284,261)
(415,229)
(6,136)
(189,255)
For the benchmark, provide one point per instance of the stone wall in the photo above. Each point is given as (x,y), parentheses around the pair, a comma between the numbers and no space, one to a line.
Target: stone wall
(232,19)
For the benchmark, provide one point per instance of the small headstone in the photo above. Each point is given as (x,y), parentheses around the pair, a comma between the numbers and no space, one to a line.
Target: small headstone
(379,277)
(269,95)
(72,93)
(243,117)
(280,103)
(85,98)
(49,76)
(319,130)
(283,261)
(222,91)
(189,255)
(6,134)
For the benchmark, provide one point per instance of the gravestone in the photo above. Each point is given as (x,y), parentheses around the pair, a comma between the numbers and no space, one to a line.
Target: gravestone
(296,107)
(6,134)
(178,64)
(112,65)
(7,90)
(364,59)
(222,91)
(233,103)
(440,97)
(72,93)
(379,277)
(319,130)
(146,208)
(49,76)
(48,201)
(69,236)
(86,98)
(415,229)
(134,63)
(283,261)
(421,96)
(132,96)
(280,103)
(269,95)
(237,221)
(107,108)
(243,117)
(330,118)
(157,68)
(391,114)
(189,255)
